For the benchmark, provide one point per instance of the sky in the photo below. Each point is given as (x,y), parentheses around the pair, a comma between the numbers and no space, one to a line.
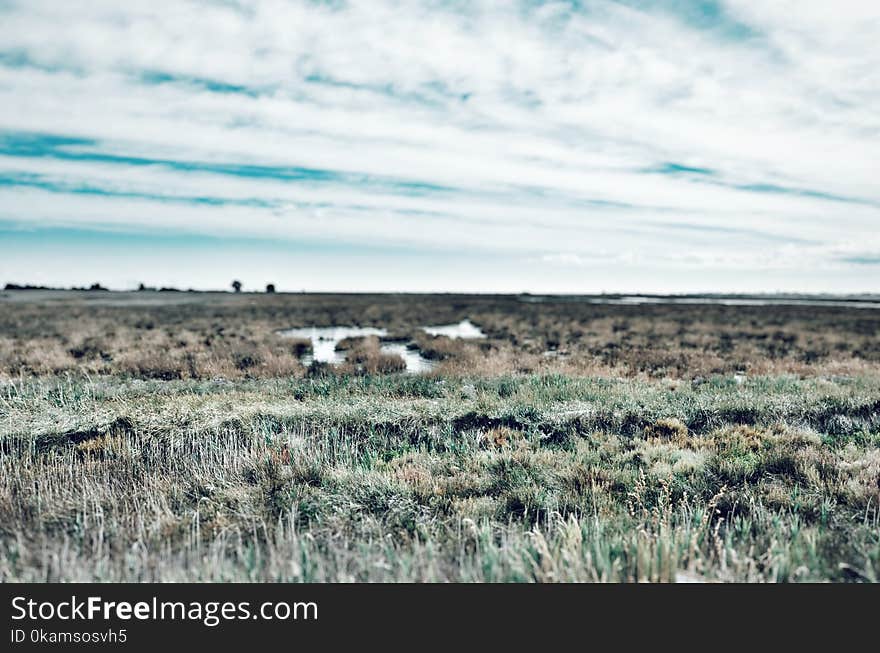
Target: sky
(488,146)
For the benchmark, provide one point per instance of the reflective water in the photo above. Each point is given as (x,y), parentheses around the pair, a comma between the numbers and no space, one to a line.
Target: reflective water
(719,301)
(415,362)
(325,339)
(464,329)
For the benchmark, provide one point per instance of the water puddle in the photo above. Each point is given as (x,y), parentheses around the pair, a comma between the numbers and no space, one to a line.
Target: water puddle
(464,329)
(325,339)
(415,362)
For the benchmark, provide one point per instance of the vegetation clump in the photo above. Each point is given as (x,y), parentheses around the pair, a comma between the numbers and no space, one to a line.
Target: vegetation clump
(670,428)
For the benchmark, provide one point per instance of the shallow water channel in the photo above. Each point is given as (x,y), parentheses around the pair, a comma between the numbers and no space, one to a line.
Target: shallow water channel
(464,329)
(325,340)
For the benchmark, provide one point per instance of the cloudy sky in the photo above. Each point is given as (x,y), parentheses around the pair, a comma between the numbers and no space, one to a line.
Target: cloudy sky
(630,145)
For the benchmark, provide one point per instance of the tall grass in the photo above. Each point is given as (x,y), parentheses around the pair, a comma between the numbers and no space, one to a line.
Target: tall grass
(396,478)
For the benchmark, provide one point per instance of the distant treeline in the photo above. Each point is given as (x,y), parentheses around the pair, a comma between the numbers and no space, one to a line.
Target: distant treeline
(143,288)
(94,286)
(236,286)
(17,286)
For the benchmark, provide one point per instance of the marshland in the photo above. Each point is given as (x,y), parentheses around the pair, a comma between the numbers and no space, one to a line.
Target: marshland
(196,437)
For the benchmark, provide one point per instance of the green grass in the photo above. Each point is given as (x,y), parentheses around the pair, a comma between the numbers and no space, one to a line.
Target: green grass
(401,478)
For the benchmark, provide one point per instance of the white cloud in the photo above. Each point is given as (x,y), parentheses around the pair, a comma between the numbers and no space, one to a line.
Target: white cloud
(549,126)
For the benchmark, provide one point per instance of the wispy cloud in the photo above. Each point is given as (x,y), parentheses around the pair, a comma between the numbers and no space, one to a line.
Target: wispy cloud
(655,136)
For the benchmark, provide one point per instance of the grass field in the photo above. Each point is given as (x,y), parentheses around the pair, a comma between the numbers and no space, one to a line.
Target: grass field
(154,436)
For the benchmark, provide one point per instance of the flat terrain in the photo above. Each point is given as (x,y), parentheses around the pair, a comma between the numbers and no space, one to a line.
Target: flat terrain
(178,436)
(183,335)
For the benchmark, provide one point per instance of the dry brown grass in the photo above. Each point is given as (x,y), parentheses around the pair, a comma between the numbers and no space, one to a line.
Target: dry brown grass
(208,335)
(667,428)
(365,357)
